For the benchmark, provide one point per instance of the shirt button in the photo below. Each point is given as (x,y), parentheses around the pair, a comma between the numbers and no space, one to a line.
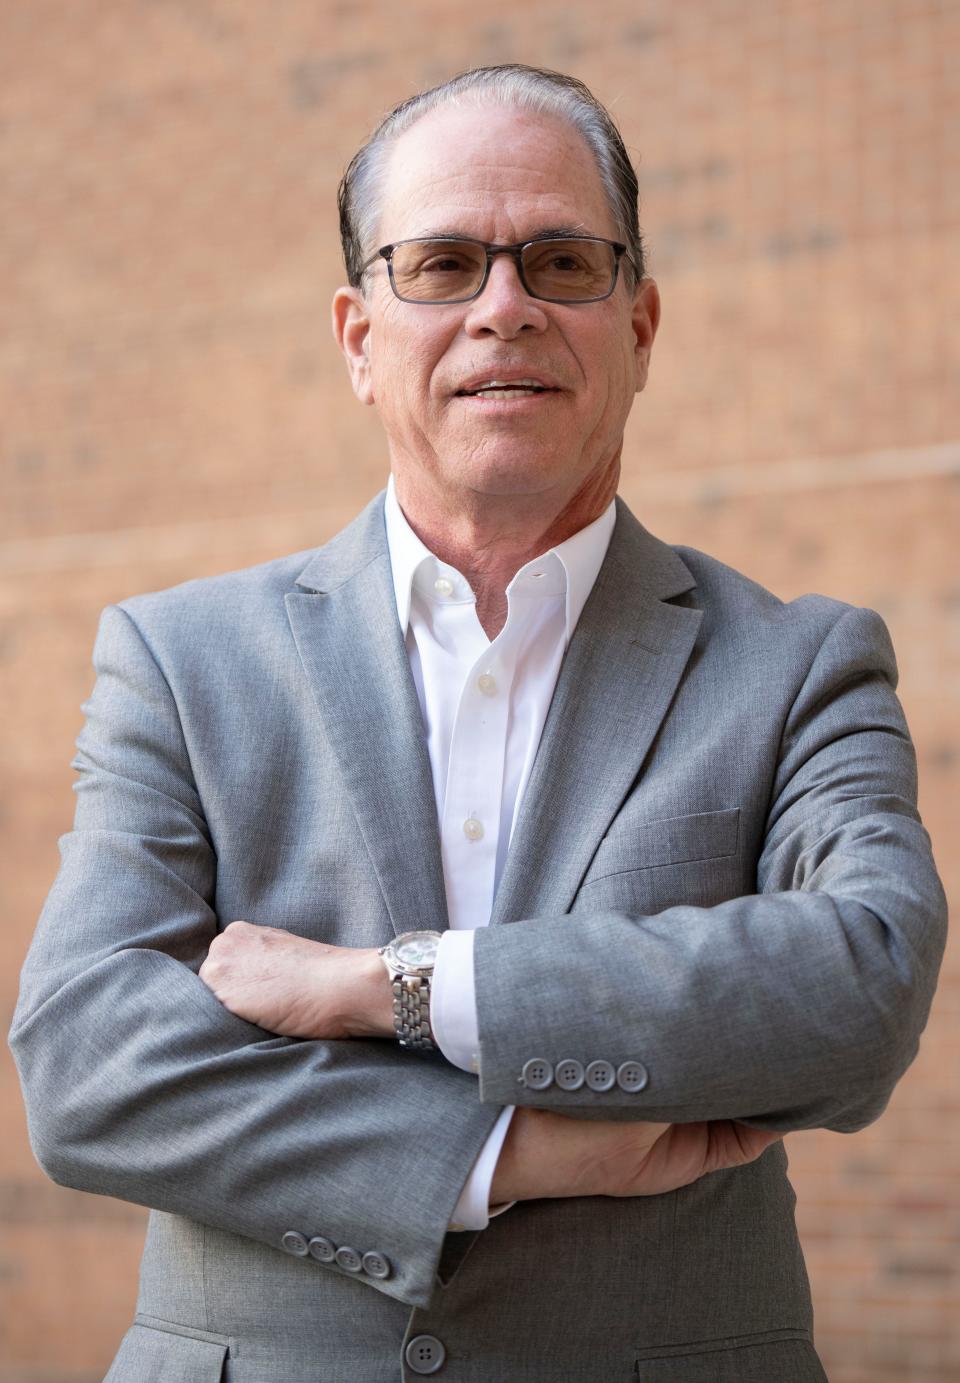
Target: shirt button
(443,586)
(473,829)
(487,684)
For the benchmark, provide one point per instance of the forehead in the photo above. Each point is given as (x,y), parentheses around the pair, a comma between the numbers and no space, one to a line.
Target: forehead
(492,171)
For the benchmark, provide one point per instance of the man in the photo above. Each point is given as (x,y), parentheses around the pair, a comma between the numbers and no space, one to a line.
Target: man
(685,809)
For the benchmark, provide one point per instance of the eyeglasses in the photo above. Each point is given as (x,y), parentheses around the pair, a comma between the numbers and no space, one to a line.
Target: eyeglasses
(442,270)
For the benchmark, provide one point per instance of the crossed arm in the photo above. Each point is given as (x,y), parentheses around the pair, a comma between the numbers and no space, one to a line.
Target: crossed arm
(301,988)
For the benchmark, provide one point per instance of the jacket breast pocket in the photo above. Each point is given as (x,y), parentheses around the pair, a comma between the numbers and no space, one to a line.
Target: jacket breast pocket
(154,1351)
(648,866)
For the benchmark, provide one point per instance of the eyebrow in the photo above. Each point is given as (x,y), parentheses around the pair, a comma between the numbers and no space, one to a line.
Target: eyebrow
(545,233)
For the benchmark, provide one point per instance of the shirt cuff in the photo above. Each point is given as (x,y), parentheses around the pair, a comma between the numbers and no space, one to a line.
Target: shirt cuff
(472,1209)
(453,1001)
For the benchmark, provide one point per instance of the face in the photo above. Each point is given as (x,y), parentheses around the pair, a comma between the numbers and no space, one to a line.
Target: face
(503,176)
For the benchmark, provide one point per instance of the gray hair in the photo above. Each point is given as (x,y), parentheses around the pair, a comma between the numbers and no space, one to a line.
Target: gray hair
(535,89)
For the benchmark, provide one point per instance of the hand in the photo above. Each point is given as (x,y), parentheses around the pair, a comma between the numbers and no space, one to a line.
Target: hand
(296,987)
(546,1154)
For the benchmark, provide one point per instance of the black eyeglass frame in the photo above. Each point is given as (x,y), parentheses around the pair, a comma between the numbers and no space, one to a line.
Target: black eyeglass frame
(491,249)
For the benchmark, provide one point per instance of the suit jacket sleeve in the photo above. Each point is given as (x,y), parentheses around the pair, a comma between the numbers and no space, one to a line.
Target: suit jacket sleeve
(796,1005)
(140,1085)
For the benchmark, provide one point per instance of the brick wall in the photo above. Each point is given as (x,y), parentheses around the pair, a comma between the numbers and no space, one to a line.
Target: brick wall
(172,405)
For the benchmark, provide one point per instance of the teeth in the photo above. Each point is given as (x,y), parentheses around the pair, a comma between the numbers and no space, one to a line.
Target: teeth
(519,388)
(509,391)
(512,384)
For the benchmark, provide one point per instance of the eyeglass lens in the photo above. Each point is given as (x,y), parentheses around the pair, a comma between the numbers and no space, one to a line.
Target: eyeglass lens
(451,270)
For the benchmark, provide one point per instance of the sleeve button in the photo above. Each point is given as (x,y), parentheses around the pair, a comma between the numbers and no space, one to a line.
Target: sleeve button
(569,1074)
(537,1074)
(323,1250)
(632,1076)
(376,1265)
(348,1259)
(601,1076)
(294,1243)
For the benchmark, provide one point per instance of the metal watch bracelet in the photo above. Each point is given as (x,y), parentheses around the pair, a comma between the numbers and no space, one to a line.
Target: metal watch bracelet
(411,1012)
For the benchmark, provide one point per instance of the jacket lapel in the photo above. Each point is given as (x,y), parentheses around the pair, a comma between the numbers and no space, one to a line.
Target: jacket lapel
(616,684)
(344,622)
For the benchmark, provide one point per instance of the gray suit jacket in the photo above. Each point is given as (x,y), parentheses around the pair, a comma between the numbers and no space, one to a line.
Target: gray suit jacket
(718,876)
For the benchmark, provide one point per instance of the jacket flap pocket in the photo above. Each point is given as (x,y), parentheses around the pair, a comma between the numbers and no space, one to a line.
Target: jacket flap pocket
(791,1359)
(673,840)
(161,1353)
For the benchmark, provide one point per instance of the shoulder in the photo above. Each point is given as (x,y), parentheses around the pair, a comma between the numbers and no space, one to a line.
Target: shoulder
(235,594)
(726,598)
(737,597)
(752,621)
(199,630)
(235,603)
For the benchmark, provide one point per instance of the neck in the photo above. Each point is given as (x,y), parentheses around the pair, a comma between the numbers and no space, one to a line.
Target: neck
(488,538)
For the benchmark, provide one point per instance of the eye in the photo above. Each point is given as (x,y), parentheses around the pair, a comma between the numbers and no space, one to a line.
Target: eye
(563,261)
(446,263)
(437,270)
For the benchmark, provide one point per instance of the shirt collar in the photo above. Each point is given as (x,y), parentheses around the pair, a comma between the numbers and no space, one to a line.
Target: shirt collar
(580,559)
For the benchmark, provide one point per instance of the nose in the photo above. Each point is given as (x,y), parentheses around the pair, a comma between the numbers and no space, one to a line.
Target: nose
(504,308)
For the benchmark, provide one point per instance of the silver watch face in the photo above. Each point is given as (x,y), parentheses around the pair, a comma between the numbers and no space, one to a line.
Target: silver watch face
(415,950)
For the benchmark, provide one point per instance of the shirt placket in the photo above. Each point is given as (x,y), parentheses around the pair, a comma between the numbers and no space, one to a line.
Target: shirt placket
(470,822)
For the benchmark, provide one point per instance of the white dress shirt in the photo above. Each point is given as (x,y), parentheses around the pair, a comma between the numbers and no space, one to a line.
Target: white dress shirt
(484,705)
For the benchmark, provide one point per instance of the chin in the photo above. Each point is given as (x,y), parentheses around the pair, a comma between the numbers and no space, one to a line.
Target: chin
(508,474)
(510,485)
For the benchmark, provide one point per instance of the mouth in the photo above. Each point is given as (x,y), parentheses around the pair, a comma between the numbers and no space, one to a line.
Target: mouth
(505,389)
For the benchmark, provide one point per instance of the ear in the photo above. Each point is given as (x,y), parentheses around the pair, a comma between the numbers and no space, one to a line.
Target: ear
(645,318)
(351,327)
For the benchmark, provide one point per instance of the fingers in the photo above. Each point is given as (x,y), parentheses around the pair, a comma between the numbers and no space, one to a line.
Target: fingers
(681,1154)
(734,1145)
(235,959)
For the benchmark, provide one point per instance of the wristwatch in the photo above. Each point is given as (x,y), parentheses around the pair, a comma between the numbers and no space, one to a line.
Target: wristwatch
(410,959)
